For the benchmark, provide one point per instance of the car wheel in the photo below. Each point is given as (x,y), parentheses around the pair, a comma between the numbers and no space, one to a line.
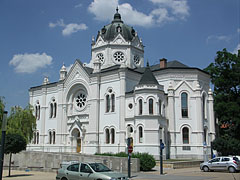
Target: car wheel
(205,168)
(64,178)
(231,169)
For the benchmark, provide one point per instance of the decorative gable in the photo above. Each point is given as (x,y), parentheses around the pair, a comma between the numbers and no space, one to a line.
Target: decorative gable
(100,42)
(119,40)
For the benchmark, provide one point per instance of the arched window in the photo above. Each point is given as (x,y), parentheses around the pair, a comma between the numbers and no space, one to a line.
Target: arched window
(204,106)
(184,103)
(110,101)
(53,137)
(37,137)
(55,110)
(112,136)
(150,106)
(140,131)
(107,136)
(107,103)
(140,106)
(113,102)
(51,110)
(38,112)
(185,135)
(34,138)
(50,137)
(160,107)
(205,135)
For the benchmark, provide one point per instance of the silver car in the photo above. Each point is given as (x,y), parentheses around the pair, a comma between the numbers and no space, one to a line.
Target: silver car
(231,164)
(87,171)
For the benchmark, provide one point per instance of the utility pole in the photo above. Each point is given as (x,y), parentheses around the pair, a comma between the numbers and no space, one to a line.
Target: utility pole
(4,127)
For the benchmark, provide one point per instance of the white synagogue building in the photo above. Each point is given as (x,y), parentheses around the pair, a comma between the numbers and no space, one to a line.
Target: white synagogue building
(95,107)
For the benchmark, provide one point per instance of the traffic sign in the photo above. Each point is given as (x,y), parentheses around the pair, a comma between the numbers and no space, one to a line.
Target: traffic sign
(130,149)
(162,146)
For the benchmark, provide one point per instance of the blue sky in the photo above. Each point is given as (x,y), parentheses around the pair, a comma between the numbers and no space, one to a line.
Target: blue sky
(36,37)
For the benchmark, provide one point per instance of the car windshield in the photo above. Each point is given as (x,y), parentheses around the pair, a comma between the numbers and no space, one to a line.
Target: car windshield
(99,167)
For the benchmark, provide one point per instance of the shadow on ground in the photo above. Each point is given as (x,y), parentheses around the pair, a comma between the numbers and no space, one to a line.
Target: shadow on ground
(19,175)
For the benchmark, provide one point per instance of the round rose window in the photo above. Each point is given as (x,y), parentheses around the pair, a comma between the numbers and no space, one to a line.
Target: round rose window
(118,57)
(80,100)
(100,56)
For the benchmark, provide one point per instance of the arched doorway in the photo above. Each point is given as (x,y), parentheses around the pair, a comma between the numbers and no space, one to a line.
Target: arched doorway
(77,140)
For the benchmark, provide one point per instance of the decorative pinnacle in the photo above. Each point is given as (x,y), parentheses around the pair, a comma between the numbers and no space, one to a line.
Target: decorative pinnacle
(147,63)
(117,9)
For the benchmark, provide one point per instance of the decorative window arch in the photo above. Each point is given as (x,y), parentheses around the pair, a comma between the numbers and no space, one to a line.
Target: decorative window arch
(140,134)
(150,106)
(110,101)
(205,135)
(185,135)
(53,109)
(140,103)
(184,104)
(52,137)
(35,137)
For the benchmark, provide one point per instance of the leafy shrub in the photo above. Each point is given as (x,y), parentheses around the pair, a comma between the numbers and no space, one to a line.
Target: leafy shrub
(147,161)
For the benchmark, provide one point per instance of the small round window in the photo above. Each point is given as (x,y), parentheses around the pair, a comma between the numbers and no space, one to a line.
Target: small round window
(100,57)
(118,57)
(80,100)
(130,105)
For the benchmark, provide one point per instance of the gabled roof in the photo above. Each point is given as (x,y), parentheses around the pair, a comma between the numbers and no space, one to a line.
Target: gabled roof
(148,77)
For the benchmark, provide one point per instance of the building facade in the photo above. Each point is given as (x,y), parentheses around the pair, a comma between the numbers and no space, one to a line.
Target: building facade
(95,107)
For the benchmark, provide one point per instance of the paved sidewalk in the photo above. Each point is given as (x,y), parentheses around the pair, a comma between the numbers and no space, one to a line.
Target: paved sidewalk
(169,174)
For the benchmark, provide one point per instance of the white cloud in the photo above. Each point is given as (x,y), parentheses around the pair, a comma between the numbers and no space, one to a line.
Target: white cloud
(78,5)
(238,30)
(235,51)
(218,38)
(30,63)
(72,28)
(68,29)
(164,11)
(58,23)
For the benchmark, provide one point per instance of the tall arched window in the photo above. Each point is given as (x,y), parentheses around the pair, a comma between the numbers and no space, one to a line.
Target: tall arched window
(38,112)
(204,106)
(150,106)
(140,106)
(107,103)
(112,136)
(160,107)
(140,131)
(53,137)
(185,135)
(50,137)
(51,110)
(113,102)
(205,135)
(107,136)
(184,103)
(37,137)
(55,110)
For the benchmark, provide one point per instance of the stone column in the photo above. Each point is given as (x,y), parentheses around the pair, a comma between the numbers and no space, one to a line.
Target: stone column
(122,75)
(199,118)
(211,115)
(171,121)
(43,115)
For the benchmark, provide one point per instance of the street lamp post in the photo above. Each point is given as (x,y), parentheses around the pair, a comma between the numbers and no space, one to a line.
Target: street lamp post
(4,127)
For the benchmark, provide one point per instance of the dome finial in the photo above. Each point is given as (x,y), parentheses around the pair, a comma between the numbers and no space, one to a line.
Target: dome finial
(117,9)
(147,63)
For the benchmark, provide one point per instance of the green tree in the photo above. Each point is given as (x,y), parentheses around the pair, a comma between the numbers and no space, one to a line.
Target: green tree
(14,143)
(225,75)
(22,122)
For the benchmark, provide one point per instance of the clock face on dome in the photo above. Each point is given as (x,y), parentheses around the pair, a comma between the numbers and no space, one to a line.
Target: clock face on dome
(136,60)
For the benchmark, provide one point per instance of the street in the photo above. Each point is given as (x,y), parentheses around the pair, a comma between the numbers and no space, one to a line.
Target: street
(169,174)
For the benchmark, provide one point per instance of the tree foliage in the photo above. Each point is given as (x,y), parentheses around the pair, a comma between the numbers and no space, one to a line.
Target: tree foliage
(2,105)
(225,75)
(22,122)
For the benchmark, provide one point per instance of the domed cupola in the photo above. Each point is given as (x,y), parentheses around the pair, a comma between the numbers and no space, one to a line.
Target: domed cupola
(117,26)
(117,44)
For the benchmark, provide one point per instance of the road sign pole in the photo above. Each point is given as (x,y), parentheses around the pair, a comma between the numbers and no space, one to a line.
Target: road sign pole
(161,159)
(129,158)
